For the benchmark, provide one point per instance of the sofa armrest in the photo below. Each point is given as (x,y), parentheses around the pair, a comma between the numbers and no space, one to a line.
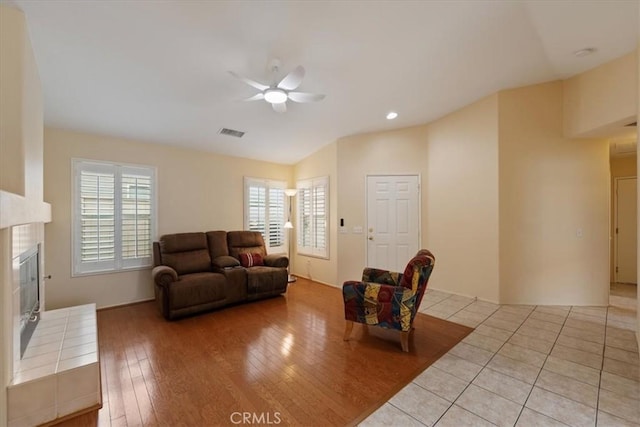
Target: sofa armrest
(164,275)
(384,277)
(224,261)
(276,260)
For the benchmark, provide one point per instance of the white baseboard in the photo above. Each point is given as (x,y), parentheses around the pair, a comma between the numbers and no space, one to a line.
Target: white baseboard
(126,303)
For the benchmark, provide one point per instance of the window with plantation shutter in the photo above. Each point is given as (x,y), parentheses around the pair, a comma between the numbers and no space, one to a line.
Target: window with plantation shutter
(264,208)
(313,217)
(113,216)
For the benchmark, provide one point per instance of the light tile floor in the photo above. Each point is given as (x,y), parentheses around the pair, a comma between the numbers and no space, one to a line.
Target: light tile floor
(525,366)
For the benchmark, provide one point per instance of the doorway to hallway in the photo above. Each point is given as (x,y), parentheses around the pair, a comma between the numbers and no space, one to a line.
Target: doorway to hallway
(623,291)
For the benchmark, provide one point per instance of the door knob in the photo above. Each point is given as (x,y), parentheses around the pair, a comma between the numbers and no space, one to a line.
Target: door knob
(370,237)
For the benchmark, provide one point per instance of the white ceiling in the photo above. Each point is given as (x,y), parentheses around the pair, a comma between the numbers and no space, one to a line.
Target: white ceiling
(158,70)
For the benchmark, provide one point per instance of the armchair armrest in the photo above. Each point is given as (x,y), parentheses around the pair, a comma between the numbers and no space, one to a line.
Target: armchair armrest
(385,277)
(164,275)
(276,260)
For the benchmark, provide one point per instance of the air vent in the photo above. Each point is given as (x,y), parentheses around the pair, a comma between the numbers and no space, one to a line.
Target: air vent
(231,132)
(632,124)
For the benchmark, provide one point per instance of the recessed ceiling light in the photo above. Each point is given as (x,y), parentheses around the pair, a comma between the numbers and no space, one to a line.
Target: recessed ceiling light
(584,52)
(392,115)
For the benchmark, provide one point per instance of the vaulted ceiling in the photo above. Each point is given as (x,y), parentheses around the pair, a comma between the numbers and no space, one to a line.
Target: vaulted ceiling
(158,71)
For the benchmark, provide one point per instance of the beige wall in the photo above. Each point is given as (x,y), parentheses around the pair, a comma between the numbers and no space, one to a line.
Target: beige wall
(550,187)
(395,152)
(460,200)
(503,194)
(12,74)
(623,166)
(320,163)
(197,191)
(620,166)
(601,99)
(21,193)
(456,158)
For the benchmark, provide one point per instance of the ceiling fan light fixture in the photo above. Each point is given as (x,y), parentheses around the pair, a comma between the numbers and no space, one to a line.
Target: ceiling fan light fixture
(279,93)
(275,96)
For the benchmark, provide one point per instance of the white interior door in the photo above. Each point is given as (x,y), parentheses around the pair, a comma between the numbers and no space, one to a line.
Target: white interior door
(626,226)
(393,220)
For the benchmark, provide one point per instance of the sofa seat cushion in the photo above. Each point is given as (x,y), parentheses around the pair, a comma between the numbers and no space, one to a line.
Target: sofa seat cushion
(263,281)
(197,288)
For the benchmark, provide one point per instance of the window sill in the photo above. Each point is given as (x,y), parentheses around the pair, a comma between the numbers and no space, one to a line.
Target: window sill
(103,272)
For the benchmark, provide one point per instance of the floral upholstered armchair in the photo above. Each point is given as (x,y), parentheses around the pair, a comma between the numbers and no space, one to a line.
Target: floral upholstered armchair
(388,299)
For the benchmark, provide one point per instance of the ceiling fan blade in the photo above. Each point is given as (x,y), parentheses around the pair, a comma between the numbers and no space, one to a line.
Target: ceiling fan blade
(305,97)
(256,97)
(293,79)
(250,82)
(280,108)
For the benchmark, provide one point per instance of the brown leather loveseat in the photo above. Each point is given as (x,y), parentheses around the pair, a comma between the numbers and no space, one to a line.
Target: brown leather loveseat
(196,272)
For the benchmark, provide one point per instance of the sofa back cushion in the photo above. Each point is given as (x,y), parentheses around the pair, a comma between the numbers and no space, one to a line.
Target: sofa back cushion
(186,252)
(250,242)
(217,241)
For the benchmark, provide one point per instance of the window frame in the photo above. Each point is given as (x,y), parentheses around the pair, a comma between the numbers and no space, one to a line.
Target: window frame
(312,250)
(268,184)
(119,263)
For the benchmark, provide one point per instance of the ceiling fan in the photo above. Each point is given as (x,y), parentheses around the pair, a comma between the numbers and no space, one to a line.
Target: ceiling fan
(279,93)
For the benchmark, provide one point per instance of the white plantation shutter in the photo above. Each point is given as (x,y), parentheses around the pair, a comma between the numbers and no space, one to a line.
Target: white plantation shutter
(304,219)
(113,218)
(264,207)
(313,204)
(257,208)
(97,216)
(135,216)
(320,217)
(276,218)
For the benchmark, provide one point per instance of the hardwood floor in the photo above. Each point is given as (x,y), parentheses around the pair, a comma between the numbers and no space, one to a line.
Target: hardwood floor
(279,361)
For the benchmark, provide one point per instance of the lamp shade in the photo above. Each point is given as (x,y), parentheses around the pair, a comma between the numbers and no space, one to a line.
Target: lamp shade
(290,192)
(288,224)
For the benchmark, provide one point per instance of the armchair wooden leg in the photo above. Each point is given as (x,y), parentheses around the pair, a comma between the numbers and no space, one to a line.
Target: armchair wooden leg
(347,330)
(404,341)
